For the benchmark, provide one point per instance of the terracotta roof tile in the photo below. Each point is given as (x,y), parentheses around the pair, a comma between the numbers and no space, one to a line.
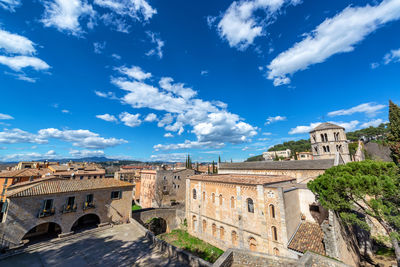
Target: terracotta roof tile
(308,236)
(54,186)
(321,164)
(243,178)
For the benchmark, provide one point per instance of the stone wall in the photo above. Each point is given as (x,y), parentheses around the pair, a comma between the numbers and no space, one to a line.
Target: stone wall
(182,256)
(173,217)
(22,212)
(236,258)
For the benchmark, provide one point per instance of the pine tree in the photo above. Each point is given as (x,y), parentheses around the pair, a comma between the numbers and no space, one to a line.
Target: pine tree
(219,159)
(394,134)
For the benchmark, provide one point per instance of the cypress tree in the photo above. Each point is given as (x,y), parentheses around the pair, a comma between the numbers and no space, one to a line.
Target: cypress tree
(394,134)
(213,167)
(219,159)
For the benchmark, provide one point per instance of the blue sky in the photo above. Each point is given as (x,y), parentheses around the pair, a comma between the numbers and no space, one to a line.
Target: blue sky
(155,80)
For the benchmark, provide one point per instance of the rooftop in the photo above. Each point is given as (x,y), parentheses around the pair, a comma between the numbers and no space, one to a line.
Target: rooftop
(321,164)
(23,173)
(308,237)
(55,186)
(243,179)
(326,126)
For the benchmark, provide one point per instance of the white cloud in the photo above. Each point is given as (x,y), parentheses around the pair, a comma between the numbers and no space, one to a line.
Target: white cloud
(65,15)
(134,72)
(374,123)
(211,123)
(159,45)
(86,153)
(10,5)
(110,95)
(107,117)
(275,119)
(6,117)
(204,73)
(66,111)
(99,47)
(119,24)
(349,126)
(14,136)
(369,109)
(19,62)
(136,9)
(51,154)
(267,133)
(116,56)
(239,24)
(167,135)
(170,157)
(392,56)
(16,44)
(335,35)
(188,145)
(176,88)
(151,117)
(131,120)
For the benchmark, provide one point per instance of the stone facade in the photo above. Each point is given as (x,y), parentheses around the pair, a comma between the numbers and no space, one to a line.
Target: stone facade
(23,211)
(132,176)
(162,187)
(327,140)
(219,212)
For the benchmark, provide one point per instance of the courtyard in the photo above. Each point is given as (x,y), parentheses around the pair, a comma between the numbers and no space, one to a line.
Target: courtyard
(121,245)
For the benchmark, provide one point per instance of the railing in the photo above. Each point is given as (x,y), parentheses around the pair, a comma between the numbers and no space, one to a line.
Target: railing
(88,205)
(68,208)
(46,213)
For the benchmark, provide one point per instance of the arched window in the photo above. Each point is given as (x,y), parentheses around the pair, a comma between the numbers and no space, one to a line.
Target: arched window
(324,147)
(220,200)
(326,138)
(204,195)
(322,138)
(194,223)
(213,198)
(272,211)
(274,233)
(234,238)
(204,226)
(221,233)
(232,202)
(252,244)
(250,205)
(214,230)
(276,251)
(194,194)
(327,148)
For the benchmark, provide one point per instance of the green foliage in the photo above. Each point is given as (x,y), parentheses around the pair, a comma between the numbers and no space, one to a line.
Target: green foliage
(136,207)
(394,135)
(381,130)
(353,148)
(370,186)
(182,239)
(295,146)
(255,158)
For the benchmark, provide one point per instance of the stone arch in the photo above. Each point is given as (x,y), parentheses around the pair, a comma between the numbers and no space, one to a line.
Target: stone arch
(194,223)
(276,251)
(232,202)
(234,238)
(221,233)
(213,198)
(220,199)
(90,220)
(194,193)
(43,231)
(250,205)
(204,226)
(252,244)
(274,233)
(214,230)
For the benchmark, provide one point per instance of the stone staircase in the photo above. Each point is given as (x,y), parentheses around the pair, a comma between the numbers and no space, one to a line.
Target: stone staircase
(49,243)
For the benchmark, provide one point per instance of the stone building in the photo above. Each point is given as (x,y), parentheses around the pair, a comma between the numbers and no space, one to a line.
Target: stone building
(327,140)
(132,176)
(304,155)
(254,212)
(271,155)
(163,187)
(59,206)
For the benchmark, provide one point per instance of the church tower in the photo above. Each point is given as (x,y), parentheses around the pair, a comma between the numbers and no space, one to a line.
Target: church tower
(327,140)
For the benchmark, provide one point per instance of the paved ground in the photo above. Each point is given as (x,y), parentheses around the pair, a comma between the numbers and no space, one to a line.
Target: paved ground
(121,245)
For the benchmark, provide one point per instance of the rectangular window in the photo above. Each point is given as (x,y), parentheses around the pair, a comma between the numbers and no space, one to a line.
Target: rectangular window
(81,177)
(115,194)
(48,204)
(89,198)
(95,177)
(71,202)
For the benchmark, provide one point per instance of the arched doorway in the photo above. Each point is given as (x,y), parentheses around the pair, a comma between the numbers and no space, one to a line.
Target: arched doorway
(157,225)
(42,232)
(87,221)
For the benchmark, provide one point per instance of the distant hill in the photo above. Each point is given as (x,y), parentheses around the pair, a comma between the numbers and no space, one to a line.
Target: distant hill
(255,158)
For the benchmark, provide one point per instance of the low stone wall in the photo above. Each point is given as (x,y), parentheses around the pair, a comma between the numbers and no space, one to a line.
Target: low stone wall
(236,257)
(173,252)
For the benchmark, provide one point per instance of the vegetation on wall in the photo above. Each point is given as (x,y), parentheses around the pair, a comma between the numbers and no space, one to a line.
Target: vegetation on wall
(381,131)
(394,134)
(369,186)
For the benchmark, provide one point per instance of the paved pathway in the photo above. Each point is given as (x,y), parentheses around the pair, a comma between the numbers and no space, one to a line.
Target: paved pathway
(122,245)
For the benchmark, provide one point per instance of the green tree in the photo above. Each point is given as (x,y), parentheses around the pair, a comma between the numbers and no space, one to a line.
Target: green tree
(394,134)
(219,159)
(213,167)
(370,186)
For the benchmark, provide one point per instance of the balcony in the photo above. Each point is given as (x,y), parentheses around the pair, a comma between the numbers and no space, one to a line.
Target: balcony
(46,213)
(88,205)
(68,208)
